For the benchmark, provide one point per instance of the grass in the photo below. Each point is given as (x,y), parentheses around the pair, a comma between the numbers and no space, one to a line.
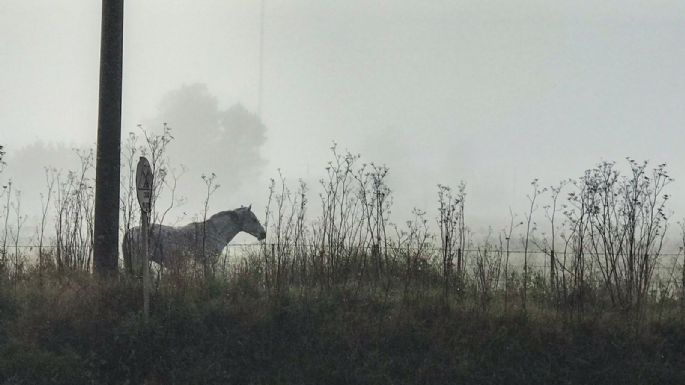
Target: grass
(72,329)
(339,301)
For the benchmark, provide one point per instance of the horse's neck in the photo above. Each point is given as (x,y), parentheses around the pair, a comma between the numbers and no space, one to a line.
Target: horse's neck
(223,229)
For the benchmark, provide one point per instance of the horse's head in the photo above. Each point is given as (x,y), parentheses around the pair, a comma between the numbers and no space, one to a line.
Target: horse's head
(249,222)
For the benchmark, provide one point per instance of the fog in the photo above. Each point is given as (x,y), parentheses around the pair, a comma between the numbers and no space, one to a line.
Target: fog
(206,140)
(493,93)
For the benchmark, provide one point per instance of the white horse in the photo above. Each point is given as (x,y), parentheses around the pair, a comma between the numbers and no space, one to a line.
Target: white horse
(169,245)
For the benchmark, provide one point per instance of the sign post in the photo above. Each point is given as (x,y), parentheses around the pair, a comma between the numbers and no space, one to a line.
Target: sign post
(144,182)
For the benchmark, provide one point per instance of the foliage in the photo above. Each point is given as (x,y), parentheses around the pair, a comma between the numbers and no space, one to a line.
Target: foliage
(86,331)
(348,296)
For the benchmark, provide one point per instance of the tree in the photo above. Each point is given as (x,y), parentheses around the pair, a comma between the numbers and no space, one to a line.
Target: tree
(210,139)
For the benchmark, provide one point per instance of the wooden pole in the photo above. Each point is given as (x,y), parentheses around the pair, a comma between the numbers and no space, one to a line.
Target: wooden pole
(144,188)
(107,171)
(145,225)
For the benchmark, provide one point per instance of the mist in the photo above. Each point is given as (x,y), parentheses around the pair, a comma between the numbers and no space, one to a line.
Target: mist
(344,191)
(209,139)
(494,94)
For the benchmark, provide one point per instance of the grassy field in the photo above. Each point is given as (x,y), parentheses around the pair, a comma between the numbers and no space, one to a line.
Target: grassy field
(577,290)
(73,329)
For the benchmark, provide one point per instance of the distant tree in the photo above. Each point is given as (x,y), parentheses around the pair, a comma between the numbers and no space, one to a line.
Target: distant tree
(228,142)
(26,165)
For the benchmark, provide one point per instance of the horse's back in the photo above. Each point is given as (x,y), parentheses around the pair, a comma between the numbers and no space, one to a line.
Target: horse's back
(167,245)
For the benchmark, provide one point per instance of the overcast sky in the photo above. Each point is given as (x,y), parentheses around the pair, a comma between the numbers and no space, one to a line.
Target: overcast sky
(494,93)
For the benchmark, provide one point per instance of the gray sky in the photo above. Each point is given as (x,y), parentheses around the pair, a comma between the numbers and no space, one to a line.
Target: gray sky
(492,92)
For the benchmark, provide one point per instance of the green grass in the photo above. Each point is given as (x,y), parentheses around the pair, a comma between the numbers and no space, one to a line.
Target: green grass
(70,329)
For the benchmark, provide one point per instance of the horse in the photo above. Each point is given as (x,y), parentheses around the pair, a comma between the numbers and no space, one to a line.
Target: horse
(170,245)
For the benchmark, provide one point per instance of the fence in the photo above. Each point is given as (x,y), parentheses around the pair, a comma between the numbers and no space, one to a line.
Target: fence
(667,267)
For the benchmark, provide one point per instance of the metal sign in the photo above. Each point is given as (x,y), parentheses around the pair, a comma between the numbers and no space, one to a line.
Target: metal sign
(144,184)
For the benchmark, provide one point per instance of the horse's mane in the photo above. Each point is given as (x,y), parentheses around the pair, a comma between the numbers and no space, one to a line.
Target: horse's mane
(224,213)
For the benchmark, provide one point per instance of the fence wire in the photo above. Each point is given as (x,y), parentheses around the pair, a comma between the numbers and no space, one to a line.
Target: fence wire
(674,259)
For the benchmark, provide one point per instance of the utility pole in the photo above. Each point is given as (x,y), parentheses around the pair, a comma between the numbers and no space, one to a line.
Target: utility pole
(261,60)
(107,171)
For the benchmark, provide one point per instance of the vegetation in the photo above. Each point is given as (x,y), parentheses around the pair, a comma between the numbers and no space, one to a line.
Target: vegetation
(348,296)
(74,330)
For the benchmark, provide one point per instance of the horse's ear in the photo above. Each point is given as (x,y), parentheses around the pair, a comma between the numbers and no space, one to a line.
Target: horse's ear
(249,207)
